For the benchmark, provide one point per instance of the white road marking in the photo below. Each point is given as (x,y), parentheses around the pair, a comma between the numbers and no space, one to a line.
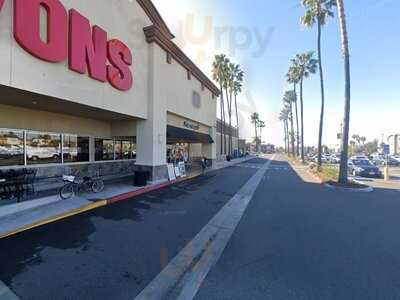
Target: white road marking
(183,276)
(6,293)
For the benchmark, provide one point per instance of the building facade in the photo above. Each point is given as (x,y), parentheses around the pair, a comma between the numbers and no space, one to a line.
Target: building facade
(221,129)
(394,142)
(104,87)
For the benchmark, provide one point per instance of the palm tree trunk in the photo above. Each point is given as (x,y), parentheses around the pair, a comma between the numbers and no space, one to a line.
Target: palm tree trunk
(224,129)
(302,119)
(321,119)
(343,172)
(227,103)
(287,137)
(237,121)
(222,118)
(292,127)
(297,123)
(230,123)
(255,127)
(284,129)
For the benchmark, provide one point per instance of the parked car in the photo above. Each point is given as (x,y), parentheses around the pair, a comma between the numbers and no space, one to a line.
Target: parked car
(359,156)
(396,157)
(324,158)
(381,160)
(334,159)
(363,168)
(378,160)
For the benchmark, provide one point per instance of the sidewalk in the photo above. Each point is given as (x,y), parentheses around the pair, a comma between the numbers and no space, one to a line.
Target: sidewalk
(23,216)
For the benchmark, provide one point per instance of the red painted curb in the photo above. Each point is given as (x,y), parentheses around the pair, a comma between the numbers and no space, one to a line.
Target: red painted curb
(145,190)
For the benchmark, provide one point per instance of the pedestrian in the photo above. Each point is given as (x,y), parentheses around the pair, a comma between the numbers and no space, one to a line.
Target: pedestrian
(203,164)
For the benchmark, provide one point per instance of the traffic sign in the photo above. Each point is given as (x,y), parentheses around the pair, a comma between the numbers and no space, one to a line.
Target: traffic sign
(386,149)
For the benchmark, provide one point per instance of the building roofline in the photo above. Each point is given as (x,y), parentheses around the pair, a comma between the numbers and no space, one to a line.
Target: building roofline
(155,17)
(159,33)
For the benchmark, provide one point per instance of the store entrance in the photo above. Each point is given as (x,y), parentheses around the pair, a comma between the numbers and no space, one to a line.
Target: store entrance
(177,153)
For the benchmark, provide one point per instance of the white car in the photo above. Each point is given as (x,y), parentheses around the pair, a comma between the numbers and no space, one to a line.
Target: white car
(334,159)
(396,157)
(324,159)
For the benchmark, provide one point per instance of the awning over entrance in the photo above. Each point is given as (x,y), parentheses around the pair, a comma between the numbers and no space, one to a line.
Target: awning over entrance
(180,135)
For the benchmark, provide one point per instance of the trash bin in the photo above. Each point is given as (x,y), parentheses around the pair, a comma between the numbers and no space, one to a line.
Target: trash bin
(141,178)
(228,158)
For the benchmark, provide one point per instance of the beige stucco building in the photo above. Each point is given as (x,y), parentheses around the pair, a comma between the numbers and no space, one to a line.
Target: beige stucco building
(56,119)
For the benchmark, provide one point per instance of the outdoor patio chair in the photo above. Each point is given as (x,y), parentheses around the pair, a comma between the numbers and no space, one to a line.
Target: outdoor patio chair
(29,180)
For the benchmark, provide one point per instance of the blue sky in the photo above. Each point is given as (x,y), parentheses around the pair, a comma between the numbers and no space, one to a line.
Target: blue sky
(373,29)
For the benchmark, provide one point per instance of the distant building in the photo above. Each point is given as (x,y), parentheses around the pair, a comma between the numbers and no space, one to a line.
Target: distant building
(225,128)
(394,142)
(267,148)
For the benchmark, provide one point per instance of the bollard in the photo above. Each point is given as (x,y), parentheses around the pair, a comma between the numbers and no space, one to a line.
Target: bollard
(386,173)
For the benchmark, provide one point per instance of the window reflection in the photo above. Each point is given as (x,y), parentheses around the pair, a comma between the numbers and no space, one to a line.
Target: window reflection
(104,149)
(125,149)
(75,148)
(43,148)
(11,147)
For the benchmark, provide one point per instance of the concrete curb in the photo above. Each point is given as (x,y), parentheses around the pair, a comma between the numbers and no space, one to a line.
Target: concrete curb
(95,205)
(55,218)
(367,189)
(148,189)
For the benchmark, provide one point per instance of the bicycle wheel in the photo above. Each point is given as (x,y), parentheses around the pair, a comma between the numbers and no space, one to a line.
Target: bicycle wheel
(67,191)
(97,186)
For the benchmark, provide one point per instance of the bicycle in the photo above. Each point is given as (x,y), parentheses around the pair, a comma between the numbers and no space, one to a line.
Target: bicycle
(73,185)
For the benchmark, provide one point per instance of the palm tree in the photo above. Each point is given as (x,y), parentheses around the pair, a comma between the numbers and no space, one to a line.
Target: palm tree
(305,65)
(255,118)
(288,99)
(234,78)
(284,118)
(261,125)
(218,74)
(343,172)
(294,78)
(318,11)
(357,138)
(237,89)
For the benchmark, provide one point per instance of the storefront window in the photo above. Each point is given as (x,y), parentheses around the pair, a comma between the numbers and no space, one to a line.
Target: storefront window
(11,147)
(75,148)
(43,148)
(177,153)
(125,150)
(104,149)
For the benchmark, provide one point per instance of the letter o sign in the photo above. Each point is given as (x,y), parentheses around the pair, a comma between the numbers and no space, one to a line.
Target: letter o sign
(27,29)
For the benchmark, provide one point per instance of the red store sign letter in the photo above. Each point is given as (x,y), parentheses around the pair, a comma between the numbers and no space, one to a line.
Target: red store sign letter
(27,29)
(119,75)
(88,49)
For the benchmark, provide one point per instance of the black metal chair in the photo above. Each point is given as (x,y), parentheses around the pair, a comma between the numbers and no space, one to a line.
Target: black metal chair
(29,180)
(2,185)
